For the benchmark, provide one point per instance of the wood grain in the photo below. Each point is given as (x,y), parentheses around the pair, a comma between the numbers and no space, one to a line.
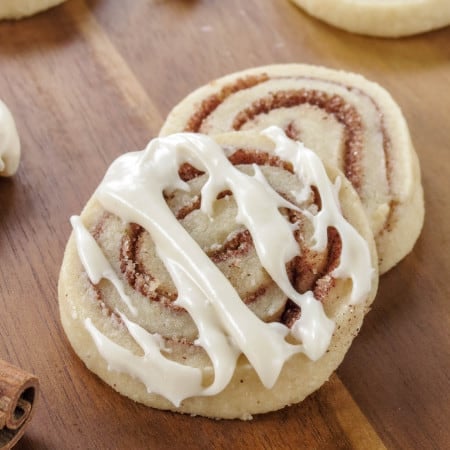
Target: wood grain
(90,80)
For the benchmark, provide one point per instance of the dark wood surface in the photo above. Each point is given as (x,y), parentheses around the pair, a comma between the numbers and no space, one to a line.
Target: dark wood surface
(90,80)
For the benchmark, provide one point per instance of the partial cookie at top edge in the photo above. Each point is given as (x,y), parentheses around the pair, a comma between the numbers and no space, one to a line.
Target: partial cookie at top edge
(391,19)
(18,9)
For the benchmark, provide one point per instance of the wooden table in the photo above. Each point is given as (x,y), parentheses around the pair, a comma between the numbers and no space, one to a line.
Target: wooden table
(90,80)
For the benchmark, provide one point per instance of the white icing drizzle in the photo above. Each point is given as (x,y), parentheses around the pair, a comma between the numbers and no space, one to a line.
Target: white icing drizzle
(94,261)
(355,255)
(160,375)
(133,189)
(9,143)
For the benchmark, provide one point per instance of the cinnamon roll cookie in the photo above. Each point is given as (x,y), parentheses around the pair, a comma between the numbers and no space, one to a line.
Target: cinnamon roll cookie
(383,18)
(17,9)
(352,123)
(223,277)
(9,143)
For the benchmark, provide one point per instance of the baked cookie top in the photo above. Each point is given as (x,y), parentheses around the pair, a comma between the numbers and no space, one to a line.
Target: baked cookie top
(351,122)
(220,277)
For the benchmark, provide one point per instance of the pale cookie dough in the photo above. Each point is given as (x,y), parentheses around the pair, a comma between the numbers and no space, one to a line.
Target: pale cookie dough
(352,123)
(383,18)
(16,9)
(9,143)
(126,313)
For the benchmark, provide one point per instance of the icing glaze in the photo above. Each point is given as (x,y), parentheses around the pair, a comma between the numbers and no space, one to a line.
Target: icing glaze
(95,263)
(133,190)
(9,143)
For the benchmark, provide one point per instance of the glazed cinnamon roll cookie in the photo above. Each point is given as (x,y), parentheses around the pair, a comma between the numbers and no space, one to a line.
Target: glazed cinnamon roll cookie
(17,9)
(350,122)
(9,143)
(383,18)
(223,277)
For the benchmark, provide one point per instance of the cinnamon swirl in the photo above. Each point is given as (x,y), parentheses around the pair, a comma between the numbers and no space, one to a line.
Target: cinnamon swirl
(223,277)
(352,123)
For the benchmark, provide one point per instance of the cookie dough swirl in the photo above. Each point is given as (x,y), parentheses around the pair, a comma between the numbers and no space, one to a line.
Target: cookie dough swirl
(218,277)
(351,123)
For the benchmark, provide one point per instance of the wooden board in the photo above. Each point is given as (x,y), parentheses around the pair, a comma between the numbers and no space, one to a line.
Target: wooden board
(88,81)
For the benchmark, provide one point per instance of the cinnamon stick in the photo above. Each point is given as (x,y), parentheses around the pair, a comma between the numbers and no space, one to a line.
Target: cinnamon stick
(19,391)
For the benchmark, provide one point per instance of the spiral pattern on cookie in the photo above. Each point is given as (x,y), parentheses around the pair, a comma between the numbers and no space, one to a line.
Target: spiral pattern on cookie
(124,310)
(228,245)
(351,123)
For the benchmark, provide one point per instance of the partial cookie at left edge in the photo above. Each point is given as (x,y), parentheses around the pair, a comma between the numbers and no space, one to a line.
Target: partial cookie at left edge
(9,143)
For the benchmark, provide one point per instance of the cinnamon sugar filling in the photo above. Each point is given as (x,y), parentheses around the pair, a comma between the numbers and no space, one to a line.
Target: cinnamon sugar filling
(212,102)
(302,270)
(239,245)
(333,104)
